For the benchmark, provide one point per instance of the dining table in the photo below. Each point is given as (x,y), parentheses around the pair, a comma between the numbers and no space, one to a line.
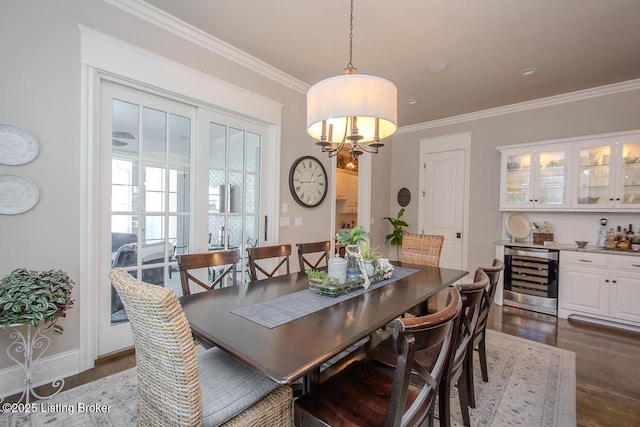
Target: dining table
(293,344)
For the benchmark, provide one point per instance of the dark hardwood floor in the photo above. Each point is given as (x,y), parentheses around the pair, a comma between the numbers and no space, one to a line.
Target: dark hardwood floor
(607,363)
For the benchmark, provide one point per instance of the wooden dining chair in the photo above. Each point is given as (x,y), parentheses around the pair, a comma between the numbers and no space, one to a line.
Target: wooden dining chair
(277,252)
(479,334)
(179,388)
(190,262)
(456,372)
(322,248)
(365,395)
(422,249)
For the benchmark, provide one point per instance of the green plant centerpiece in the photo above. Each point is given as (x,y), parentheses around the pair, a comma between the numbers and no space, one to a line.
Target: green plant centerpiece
(395,237)
(30,297)
(355,262)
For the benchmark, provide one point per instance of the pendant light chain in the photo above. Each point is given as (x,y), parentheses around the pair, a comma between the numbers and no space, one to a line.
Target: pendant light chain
(350,64)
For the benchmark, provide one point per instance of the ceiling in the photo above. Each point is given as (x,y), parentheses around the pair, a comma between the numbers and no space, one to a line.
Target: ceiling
(573,45)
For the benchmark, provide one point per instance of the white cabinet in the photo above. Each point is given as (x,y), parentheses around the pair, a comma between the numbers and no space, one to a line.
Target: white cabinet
(598,173)
(346,191)
(535,178)
(600,285)
(607,173)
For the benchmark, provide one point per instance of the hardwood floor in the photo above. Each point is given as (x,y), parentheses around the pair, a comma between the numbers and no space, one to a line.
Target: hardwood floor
(607,363)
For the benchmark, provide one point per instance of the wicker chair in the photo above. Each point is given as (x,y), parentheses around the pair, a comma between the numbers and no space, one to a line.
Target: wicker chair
(366,394)
(265,252)
(479,335)
(322,248)
(178,388)
(422,249)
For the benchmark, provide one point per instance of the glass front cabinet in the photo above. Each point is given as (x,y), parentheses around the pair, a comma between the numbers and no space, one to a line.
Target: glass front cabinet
(597,173)
(535,178)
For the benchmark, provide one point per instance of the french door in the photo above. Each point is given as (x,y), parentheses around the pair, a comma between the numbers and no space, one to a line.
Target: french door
(174,179)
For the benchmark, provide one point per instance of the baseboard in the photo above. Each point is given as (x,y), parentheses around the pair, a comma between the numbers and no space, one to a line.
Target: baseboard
(50,368)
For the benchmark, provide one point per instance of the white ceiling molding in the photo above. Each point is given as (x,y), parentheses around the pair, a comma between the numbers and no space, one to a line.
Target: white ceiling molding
(159,18)
(528,105)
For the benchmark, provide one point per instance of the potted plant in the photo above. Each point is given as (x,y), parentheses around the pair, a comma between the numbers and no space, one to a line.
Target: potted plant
(395,237)
(350,239)
(30,297)
(370,256)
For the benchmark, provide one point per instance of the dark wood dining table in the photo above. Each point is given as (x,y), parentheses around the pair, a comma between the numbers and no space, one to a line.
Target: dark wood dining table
(298,348)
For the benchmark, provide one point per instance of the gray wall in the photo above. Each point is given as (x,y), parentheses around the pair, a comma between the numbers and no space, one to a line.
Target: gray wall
(609,113)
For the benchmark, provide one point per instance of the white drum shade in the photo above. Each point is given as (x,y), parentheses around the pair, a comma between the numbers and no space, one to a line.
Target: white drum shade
(365,97)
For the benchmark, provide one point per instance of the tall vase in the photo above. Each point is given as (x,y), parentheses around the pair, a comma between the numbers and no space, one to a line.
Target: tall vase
(353,269)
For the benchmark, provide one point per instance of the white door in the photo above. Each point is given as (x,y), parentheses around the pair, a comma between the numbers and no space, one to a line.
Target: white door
(161,196)
(443,194)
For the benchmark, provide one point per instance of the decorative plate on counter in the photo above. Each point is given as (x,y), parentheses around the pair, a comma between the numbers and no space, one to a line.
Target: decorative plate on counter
(17,194)
(518,226)
(17,146)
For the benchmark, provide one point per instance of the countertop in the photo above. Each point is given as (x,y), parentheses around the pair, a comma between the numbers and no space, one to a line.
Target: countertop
(569,247)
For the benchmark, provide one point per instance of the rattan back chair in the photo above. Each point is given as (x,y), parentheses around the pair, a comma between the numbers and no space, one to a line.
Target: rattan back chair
(321,248)
(176,387)
(422,249)
(277,252)
(363,394)
(190,262)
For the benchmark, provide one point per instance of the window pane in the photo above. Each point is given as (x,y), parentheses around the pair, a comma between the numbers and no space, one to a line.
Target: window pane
(216,232)
(179,189)
(124,128)
(154,125)
(179,233)
(253,194)
(124,185)
(217,146)
(154,184)
(251,230)
(153,231)
(236,149)
(179,138)
(236,184)
(234,231)
(253,152)
(217,193)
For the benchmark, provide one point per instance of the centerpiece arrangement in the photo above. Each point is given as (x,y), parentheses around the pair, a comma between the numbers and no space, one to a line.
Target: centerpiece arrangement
(364,265)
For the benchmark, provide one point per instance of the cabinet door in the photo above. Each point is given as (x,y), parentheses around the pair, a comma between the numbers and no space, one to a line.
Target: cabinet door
(516,191)
(585,290)
(352,191)
(625,296)
(341,186)
(627,191)
(593,176)
(552,179)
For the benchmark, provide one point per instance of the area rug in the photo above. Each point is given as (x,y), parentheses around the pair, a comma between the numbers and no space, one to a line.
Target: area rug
(530,384)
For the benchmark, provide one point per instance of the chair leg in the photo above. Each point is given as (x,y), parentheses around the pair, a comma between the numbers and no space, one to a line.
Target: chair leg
(470,384)
(463,396)
(482,352)
(444,406)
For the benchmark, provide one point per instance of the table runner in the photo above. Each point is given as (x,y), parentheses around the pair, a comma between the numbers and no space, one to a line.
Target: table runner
(286,308)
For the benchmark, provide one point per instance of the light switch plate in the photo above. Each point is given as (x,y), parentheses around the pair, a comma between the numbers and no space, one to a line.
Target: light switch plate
(285,221)
(298,221)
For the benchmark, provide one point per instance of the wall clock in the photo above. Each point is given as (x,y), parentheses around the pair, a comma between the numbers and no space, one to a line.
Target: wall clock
(308,181)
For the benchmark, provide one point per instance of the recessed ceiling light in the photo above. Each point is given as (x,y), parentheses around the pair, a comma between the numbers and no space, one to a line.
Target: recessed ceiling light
(528,71)
(437,67)
(412,101)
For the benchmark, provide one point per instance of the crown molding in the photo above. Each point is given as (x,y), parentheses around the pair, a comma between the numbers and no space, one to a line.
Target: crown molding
(161,19)
(527,105)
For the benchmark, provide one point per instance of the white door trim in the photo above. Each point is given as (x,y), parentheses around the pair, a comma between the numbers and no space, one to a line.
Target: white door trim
(102,56)
(438,144)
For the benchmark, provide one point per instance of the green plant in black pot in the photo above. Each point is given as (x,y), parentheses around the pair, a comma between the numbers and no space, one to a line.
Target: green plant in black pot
(395,237)
(29,297)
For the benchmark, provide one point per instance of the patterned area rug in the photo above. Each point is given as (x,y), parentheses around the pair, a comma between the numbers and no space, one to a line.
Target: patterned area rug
(530,384)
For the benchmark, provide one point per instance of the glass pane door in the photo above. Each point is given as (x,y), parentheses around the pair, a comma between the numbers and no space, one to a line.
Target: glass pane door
(552,178)
(631,174)
(594,168)
(518,179)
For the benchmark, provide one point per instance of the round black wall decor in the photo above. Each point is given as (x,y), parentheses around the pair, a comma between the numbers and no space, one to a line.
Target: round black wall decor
(404,197)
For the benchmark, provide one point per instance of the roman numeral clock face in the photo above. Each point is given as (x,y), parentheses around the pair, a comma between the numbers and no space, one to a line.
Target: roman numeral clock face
(308,181)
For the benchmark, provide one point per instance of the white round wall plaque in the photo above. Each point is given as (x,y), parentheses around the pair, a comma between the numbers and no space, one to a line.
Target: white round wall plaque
(17,194)
(17,146)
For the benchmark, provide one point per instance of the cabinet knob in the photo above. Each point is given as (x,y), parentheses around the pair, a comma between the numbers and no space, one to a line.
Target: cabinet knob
(611,200)
(535,200)
(606,280)
(617,199)
(614,281)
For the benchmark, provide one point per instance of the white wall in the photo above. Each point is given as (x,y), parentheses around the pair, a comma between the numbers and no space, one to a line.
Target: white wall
(40,87)
(601,114)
